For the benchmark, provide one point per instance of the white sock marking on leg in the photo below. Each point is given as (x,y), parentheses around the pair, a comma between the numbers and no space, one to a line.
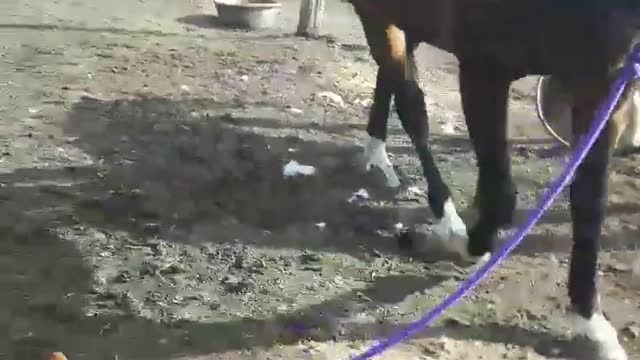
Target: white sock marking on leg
(599,330)
(375,154)
(452,231)
(451,224)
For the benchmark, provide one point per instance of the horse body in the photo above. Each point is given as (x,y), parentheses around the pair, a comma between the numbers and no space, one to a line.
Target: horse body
(529,36)
(497,42)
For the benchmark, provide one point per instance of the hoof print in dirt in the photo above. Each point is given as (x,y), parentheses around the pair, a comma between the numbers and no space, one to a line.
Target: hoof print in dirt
(524,152)
(310,258)
(237,285)
(150,228)
(456,323)
(411,194)
(419,240)
(314,268)
(632,331)
(311,262)
(251,265)
(405,238)
(123,277)
(366,222)
(130,304)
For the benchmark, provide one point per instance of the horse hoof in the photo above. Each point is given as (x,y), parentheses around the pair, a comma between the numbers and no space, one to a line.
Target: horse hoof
(602,334)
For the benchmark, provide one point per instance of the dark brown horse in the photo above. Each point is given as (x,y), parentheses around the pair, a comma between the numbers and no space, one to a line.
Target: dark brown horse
(582,43)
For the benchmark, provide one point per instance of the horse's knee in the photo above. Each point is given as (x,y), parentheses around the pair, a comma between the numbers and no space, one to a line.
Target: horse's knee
(389,50)
(379,113)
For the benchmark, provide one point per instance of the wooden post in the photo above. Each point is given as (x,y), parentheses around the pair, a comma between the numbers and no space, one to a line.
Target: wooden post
(311,16)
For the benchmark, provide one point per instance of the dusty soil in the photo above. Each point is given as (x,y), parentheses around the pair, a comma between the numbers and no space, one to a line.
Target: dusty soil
(145,214)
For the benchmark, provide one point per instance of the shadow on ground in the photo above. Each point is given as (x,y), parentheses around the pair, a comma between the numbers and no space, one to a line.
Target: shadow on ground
(162,164)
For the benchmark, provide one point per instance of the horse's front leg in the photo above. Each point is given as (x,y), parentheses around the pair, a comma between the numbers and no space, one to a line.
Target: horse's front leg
(412,111)
(375,152)
(389,50)
(484,89)
(588,203)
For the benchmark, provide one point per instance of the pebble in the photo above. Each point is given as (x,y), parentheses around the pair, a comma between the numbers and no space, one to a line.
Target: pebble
(240,262)
(123,277)
(237,285)
(332,97)
(359,195)
(632,330)
(174,269)
(130,303)
(98,280)
(364,102)
(57,356)
(309,258)
(294,168)
(315,268)
(293,110)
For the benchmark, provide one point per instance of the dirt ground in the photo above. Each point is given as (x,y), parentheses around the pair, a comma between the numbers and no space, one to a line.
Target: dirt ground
(146,216)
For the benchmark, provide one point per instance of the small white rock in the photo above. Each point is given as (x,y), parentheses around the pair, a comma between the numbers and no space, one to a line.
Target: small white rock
(293,168)
(449,127)
(333,97)
(361,194)
(416,190)
(364,102)
(294,111)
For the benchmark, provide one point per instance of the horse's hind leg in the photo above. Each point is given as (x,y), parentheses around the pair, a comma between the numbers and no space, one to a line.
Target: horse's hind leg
(484,89)
(412,111)
(588,199)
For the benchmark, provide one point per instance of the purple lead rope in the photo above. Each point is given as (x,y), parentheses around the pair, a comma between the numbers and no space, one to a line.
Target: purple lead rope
(631,70)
